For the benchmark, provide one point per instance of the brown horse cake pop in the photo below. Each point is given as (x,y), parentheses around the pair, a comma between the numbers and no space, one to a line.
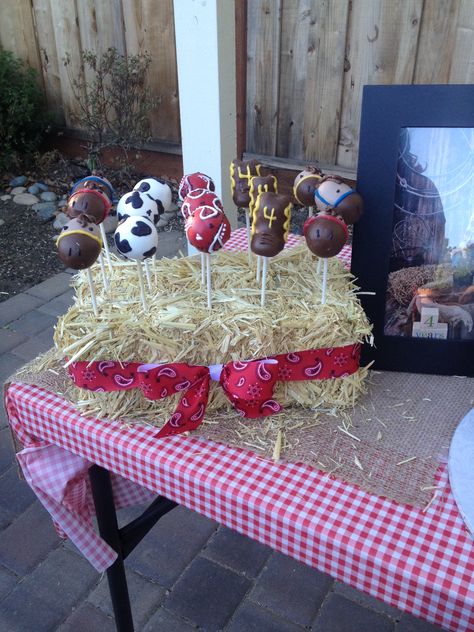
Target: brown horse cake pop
(305,185)
(79,243)
(89,202)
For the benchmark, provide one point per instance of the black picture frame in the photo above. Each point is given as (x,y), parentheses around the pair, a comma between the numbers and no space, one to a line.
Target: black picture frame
(385,111)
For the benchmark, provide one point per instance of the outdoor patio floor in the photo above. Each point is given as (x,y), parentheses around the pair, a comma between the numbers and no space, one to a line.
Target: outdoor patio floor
(188,573)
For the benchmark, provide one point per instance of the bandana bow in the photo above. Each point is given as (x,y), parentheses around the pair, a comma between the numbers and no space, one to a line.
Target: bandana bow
(248,385)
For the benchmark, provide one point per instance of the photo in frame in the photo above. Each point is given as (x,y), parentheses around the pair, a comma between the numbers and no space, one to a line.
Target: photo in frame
(414,245)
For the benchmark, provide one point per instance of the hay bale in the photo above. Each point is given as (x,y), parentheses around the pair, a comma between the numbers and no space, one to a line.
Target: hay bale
(179,327)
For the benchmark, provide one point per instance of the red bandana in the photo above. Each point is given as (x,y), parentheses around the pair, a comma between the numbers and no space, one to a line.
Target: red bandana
(248,385)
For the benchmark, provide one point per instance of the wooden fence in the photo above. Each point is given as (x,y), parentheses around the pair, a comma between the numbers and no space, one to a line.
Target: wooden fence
(307,60)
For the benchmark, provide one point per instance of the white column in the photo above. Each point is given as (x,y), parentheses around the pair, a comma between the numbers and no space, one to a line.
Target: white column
(205,52)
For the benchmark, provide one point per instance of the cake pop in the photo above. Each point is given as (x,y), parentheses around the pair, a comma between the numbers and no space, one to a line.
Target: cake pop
(192,181)
(260,184)
(98,183)
(334,194)
(241,171)
(305,185)
(158,190)
(92,203)
(200,197)
(135,204)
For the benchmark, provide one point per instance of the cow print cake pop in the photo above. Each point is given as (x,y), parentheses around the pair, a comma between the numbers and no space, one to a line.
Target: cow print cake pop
(200,197)
(89,202)
(158,190)
(193,181)
(325,235)
(134,204)
(79,243)
(207,229)
(136,238)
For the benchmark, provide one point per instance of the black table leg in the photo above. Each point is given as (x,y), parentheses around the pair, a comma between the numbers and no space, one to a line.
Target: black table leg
(109,531)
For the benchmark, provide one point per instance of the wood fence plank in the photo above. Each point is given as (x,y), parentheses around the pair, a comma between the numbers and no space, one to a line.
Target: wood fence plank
(68,43)
(49,58)
(436,41)
(149,27)
(462,62)
(263,65)
(379,51)
(17,32)
(312,62)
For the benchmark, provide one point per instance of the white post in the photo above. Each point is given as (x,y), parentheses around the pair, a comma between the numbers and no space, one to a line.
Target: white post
(205,55)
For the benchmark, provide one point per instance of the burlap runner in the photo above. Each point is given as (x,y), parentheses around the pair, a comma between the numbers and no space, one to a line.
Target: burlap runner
(402,416)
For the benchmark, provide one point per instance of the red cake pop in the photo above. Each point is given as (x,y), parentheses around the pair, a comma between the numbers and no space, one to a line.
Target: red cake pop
(200,197)
(207,229)
(193,181)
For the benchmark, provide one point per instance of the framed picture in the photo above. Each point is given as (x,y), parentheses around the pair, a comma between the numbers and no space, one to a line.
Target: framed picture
(414,245)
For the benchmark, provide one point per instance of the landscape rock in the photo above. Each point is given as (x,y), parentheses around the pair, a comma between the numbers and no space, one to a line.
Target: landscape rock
(169,215)
(49,196)
(26,199)
(110,223)
(45,210)
(19,181)
(4,198)
(60,221)
(18,190)
(2,221)
(163,222)
(34,189)
(174,208)
(42,186)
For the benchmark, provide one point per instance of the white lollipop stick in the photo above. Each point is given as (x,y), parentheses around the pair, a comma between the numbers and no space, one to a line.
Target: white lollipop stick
(91,288)
(264,281)
(247,226)
(203,268)
(318,269)
(259,268)
(102,270)
(142,286)
(209,297)
(148,274)
(325,279)
(310,211)
(106,246)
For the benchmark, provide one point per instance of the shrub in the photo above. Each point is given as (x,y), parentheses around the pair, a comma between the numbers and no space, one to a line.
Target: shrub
(22,115)
(115,101)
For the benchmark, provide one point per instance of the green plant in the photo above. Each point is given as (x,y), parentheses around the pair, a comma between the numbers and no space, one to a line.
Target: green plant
(114,100)
(23,119)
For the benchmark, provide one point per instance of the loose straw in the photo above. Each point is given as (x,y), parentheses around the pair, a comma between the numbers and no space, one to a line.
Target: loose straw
(264,281)
(325,279)
(147,273)
(91,287)
(142,286)
(318,269)
(203,268)
(247,226)
(106,245)
(208,271)
(259,268)
(310,211)
(102,270)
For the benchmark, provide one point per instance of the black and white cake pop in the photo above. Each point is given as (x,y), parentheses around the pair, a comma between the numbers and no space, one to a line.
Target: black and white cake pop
(136,238)
(158,190)
(134,204)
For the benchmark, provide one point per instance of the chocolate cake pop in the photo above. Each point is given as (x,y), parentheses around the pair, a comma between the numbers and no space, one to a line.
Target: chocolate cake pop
(134,204)
(98,183)
(305,185)
(200,197)
(79,243)
(334,195)
(192,181)
(270,223)
(261,184)
(89,202)
(325,235)
(158,190)
(241,171)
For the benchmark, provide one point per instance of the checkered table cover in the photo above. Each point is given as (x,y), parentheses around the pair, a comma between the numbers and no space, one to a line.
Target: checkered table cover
(420,562)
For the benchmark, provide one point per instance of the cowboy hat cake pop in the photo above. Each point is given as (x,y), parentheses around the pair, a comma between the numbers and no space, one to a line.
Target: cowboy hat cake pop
(333,194)
(200,197)
(96,182)
(134,204)
(305,185)
(158,190)
(192,181)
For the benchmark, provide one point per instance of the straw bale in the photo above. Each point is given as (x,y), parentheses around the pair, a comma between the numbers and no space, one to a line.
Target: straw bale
(179,327)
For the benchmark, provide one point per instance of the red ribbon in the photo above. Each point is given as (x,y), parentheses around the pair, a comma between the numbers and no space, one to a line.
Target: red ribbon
(248,385)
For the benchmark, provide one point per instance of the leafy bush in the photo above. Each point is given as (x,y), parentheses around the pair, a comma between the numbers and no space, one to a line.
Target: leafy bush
(22,115)
(114,100)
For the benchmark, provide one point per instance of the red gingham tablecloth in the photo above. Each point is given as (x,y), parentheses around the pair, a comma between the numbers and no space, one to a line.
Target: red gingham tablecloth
(420,562)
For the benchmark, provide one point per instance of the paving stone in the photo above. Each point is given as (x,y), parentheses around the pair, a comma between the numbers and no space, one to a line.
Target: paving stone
(168,622)
(17,306)
(7,582)
(170,243)
(169,547)
(59,305)
(6,518)
(32,323)
(45,597)
(7,451)
(236,551)
(291,589)
(338,614)
(28,540)
(207,594)
(3,415)
(88,619)
(34,346)
(9,363)
(252,618)
(52,287)
(365,600)
(10,339)
(144,597)
(408,623)
(15,494)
